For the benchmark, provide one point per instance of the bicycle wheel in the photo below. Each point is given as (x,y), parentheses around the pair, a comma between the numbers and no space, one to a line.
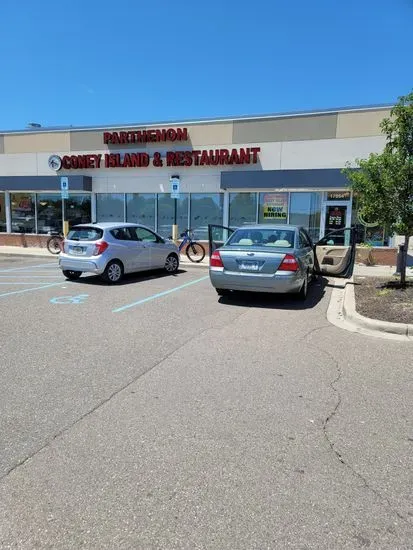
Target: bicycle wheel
(195,252)
(54,245)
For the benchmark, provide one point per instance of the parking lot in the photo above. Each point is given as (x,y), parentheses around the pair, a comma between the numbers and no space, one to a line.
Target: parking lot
(152,414)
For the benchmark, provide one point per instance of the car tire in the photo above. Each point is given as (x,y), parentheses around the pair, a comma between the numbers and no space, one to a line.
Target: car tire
(303,293)
(72,275)
(223,291)
(171,264)
(113,272)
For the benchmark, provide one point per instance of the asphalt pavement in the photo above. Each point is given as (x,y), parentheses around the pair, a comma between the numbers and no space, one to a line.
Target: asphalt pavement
(153,415)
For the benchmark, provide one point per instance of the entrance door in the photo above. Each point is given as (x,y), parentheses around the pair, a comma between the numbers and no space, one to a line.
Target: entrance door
(334,216)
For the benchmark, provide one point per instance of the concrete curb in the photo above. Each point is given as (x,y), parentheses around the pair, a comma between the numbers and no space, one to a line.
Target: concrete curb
(22,255)
(373,325)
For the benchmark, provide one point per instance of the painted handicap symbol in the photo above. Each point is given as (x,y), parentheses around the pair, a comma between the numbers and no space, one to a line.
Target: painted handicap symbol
(78,299)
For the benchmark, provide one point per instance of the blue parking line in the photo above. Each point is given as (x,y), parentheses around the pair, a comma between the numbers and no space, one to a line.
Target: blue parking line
(30,289)
(159,295)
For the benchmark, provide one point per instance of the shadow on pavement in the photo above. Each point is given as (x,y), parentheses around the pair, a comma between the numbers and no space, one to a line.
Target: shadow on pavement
(316,292)
(129,279)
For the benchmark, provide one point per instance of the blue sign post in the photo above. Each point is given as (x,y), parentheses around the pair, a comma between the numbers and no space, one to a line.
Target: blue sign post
(175,183)
(64,187)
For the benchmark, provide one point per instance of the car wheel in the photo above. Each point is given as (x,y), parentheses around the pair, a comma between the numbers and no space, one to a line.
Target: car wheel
(171,264)
(72,275)
(302,295)
(223,291)
(113,272)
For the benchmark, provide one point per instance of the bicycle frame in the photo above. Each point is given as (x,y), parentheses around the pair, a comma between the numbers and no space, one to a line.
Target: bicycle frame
(186,240)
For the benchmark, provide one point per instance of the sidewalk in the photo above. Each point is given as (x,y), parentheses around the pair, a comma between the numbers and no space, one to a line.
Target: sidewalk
(35,252)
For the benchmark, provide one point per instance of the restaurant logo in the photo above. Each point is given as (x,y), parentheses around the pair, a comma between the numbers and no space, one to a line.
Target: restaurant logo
(201,157)
(55,162)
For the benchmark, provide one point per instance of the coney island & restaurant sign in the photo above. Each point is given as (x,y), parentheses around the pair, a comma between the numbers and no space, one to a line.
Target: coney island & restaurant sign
(139,159)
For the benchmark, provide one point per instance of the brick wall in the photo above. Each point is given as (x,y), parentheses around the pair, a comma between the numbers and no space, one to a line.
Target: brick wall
(378,256)
(24,240)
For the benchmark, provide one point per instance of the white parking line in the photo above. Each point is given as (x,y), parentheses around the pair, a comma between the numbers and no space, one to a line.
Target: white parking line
(28,268)
(49,285)
(33,283)
(18,276)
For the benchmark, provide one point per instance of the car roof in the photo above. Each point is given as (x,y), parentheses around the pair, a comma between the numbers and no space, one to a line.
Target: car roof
(283,227)
(111,225)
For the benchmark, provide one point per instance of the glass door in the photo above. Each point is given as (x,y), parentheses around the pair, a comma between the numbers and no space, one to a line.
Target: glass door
(335,215)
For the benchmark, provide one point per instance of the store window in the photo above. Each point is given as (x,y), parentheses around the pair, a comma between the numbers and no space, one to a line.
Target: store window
(110,207)
(23,212)
(242,209)
(166,214)
(273,208)
(140,208)
(49,213)
(3,227)
(78,209)
(206,208)
(305,210)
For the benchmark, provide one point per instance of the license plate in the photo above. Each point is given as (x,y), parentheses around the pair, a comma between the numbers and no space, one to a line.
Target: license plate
(77,249)
(249,266)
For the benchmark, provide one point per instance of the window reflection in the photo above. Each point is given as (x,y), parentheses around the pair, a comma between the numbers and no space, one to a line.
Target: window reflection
(242,209)
(49,213)
(110,207)
(140,208)
(78,209)
(206,208)
(305,210)
(23,212)
(166,212)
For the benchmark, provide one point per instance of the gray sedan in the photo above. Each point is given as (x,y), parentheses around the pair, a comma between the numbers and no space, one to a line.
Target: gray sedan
(113,249)
(277,258)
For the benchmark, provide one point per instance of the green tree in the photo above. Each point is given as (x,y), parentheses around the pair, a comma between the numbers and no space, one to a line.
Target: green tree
(383,183)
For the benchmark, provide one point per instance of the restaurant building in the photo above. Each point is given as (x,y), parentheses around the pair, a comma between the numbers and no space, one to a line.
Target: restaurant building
(283,168)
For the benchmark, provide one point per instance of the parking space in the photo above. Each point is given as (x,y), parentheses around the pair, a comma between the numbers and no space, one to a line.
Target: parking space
(26,283)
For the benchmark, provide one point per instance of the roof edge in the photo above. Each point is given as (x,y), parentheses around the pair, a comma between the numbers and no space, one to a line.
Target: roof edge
(192,122)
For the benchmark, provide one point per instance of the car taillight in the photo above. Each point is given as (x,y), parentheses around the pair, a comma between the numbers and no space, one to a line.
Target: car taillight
(100,248)
(289,263)
(215,260)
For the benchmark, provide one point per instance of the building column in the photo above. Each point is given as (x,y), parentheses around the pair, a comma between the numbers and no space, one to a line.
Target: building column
(225,220)
(93,207)
(7,204)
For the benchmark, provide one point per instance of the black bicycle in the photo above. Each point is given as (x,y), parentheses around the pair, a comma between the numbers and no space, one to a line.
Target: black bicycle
(55,243)
(194,251)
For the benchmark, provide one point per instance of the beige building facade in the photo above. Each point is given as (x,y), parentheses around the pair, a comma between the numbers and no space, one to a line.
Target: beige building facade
(283,168)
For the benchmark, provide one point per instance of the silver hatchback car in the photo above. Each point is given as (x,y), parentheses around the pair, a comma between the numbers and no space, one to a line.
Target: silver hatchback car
(114,249)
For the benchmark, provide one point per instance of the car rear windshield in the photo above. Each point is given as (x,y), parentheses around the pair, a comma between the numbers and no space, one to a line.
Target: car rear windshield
(279,238)
(85,234)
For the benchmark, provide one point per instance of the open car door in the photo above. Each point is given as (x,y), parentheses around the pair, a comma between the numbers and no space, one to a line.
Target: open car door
(335,253)
(217,236)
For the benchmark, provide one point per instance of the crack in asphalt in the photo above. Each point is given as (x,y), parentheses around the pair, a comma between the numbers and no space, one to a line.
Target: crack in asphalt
(329,417)
(103,402)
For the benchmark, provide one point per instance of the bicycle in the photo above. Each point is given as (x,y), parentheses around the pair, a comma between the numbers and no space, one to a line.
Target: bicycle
(55,243)
(194,251)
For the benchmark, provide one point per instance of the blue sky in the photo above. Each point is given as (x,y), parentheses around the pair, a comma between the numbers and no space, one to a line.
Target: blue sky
(86,62)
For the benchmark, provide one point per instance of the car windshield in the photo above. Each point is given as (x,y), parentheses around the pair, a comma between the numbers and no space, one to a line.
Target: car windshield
(85,234)
(280,238)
